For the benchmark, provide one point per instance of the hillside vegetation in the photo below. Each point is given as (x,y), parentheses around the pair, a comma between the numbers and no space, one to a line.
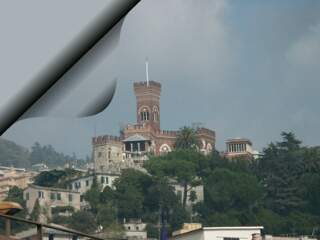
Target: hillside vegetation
(12,154)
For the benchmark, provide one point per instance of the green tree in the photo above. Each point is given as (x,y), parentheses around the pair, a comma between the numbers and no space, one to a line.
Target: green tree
(56,178)
(36,211)
(187,139)
(83,221)
(92,196)
(130,190)
(15,194)
(48,155)
(107,215)
(225,189)
(12,154)
(180,165)
(280,169)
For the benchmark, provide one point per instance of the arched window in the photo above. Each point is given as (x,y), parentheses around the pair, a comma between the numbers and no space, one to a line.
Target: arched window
(155,114)
(164,148)
(144,115)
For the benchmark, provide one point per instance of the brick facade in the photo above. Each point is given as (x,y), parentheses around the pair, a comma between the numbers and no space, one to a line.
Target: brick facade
(146,132)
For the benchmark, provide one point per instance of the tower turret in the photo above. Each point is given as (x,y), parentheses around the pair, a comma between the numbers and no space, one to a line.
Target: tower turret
(148,103)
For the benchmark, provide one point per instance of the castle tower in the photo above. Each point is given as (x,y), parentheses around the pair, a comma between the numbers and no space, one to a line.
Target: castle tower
(148,103)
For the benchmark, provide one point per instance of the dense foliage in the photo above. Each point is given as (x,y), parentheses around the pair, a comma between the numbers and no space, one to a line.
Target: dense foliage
(12,154)
(280,191)
(48,155)
(136,195)
(56,178)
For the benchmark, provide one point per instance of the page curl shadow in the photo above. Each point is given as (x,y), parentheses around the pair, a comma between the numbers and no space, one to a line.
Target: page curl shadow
(63,99)
(63,62)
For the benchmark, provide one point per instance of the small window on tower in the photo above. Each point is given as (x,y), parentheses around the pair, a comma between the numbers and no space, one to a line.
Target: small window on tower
(144,115)
(155,116)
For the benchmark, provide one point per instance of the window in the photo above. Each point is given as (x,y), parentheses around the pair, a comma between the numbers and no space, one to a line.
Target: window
(87,183)
(109,154)
(107,180)
(137,228)
(99,154)
(52,196)
(102,180)
(70,197)
(129,228)
(81,198)
(27,196)
(144,115)
(40,194)
(155,114)
(59,196)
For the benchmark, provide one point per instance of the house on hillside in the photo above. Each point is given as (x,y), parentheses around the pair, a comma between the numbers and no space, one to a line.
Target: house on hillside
(50,198)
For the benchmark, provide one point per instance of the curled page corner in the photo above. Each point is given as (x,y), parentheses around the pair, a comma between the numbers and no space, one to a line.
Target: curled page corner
(75,91)
(59,80)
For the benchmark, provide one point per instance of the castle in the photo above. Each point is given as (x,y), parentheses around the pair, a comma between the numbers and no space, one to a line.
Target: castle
(137,141)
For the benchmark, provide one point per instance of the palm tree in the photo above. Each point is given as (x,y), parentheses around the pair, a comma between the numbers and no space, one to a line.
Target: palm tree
(187,139)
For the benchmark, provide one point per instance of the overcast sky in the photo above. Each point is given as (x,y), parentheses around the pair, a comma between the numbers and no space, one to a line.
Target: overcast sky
(242,68)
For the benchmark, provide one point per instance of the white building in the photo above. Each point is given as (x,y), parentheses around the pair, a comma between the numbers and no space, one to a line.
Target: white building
(50,198)
(220,233)
(83,184)
(135,230)
(239,148)
(270,237)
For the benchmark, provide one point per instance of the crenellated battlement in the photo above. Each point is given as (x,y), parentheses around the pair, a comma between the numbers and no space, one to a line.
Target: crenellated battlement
(145,84)
(106,139)
(145,136)
(136,127)
(167,133)
(206,131)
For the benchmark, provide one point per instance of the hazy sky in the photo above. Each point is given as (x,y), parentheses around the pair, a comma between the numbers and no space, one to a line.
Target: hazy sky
(242,68)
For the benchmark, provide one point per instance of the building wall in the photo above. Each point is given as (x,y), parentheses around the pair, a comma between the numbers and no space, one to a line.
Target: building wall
(44,196)
(107,154)
(239,148)
(195,235)
(84,184)
(220,233)
(148,98)
(245,234)
(135,230)
(10,178)
(161,141)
